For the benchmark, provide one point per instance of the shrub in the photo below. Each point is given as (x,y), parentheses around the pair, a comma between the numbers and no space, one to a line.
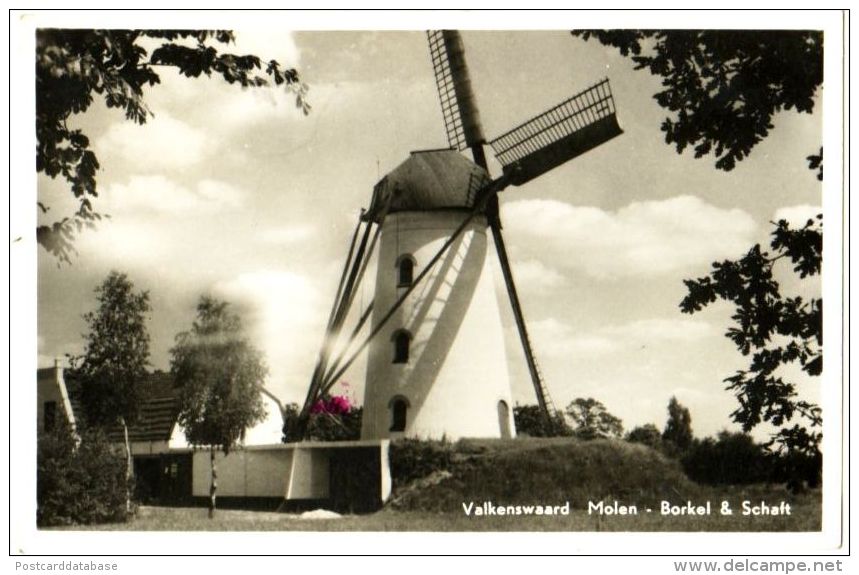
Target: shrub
(735,459)
(327,426)
(798,470)
(330,420)
(412,459)
(730,458)
(647,434)
(530,421)
(79,483)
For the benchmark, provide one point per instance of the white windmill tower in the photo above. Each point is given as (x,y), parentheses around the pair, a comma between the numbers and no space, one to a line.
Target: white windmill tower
(436,364)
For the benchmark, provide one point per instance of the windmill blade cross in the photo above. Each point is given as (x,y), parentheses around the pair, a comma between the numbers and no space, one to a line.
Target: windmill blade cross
(558,135)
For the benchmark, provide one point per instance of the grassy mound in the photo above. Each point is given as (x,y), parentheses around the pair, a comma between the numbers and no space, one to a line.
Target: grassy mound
(438,476)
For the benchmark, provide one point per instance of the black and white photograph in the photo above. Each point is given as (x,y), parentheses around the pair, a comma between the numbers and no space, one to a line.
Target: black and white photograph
(429,273)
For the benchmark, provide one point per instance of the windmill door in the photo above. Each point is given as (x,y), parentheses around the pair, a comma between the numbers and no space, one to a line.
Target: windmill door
(504,419)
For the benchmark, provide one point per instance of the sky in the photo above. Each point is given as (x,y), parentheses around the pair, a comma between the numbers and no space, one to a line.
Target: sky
(236,194)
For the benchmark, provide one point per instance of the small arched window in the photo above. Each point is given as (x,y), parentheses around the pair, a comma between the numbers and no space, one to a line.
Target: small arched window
(405,271)
(402,340)
(399,412)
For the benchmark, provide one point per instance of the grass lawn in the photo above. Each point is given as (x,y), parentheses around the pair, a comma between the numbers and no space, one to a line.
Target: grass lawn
(805,517)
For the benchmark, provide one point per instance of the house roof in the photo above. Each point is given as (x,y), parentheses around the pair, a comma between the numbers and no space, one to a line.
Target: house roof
(428,180)
(159,407)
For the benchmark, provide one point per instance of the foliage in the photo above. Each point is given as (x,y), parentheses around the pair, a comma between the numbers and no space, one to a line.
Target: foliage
(593,420)
(775,330)
(730,458)
(815,162)
(116,352)
(530,421)
(723,87)
(413,459)
(324,425)
(678,428)
(79,484)
(646,434)
(797,470)
(74,67)
(219,374)
(735,459)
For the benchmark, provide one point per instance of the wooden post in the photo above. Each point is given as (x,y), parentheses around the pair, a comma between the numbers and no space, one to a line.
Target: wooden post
(213,488)
(129,467)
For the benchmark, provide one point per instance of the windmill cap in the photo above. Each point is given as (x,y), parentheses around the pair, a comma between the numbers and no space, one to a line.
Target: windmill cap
(428,180)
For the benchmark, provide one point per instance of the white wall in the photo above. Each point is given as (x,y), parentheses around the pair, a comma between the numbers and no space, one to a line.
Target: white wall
(457,368)
(290,471)
(243,473)
(50,386)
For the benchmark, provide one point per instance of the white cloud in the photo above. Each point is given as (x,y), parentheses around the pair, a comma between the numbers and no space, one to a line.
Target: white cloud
(270,43)
(231,107)
(157,223)
(162,195)
(658,329)
(286,235)
(554,338)
(210,105)
(218,195)
(798,215)
(135,242)
(284,312)
(558,339)
(643,238)
(163,143)
(534,275)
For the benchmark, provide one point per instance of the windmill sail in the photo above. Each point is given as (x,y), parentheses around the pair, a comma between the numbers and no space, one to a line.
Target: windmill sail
(570,129)
(458,107)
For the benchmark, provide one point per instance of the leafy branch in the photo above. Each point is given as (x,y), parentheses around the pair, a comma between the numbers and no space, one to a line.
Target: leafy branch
(773,329)
(74,67)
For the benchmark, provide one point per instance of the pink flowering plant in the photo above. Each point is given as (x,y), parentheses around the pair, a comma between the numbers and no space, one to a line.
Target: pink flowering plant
(333,405)
(334,417)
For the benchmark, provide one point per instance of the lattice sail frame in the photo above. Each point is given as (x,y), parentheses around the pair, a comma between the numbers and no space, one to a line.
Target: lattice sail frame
(446,92)
(458,105)
(570,129)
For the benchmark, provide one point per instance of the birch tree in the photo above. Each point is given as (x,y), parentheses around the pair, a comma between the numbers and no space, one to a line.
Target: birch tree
(219,375)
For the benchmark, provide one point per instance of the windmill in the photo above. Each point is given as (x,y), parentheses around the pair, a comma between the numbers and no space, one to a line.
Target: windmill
(436,363)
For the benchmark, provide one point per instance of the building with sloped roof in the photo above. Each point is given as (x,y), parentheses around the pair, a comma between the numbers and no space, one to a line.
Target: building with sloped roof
(261,472)
(59,392)
(162,456)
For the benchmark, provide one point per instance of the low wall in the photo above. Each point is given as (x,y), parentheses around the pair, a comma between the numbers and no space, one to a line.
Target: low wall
(248,472)
(351,476)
